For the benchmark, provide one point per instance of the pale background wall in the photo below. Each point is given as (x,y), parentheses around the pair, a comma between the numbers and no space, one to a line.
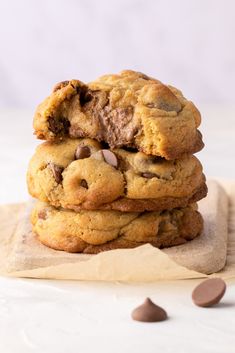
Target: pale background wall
(187,43)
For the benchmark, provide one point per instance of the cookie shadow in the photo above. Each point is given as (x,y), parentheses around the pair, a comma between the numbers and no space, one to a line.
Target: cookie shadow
(224,305)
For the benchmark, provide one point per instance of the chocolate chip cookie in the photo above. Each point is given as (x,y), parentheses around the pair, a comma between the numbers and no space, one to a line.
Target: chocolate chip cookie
(94,231)
(81,174)
(125,110)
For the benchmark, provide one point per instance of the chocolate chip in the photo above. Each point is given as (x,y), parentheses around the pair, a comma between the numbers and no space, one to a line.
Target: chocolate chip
(42,214)
(56,171)
(156,159)
(82,152)
(110,158)
(60,85)
(209,292)
(84,184)
(150,105)
(104,145)
(169,107)
(149,312)
(58,125)
(149,175)
(164,99)
(130,149)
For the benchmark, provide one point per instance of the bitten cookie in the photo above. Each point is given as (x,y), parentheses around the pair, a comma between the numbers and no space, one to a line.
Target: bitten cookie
(79,174)
(91,232)
(129,109)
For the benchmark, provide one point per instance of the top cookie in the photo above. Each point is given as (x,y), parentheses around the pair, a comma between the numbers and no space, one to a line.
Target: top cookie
(125,110)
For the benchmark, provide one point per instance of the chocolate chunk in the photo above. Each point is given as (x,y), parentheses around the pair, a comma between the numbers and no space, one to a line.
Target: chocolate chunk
(84,184)
(116,126)
(92,100)
(58,125)
(110,158)
(149,312)
(60,85)
(149,175)
(56,171)
(209,292)
(82,152)
(85,95)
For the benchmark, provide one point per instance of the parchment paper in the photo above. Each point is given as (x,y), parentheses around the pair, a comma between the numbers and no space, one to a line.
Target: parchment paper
(23,256)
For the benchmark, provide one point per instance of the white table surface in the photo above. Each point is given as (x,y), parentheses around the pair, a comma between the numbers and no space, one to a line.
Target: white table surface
(66,317)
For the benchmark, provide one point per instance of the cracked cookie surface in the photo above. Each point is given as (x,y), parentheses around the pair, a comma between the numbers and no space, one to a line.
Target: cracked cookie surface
(81,174)
(94,231)
(129,109)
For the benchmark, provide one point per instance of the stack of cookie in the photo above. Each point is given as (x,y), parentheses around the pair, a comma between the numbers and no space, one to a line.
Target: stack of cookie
(117,169)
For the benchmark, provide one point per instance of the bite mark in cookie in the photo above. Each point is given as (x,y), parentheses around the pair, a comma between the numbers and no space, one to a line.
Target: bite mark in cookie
(125,110)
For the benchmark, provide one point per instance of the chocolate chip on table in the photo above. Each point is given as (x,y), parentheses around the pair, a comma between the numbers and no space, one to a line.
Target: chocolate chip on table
(149,175)
(60,85)
(84,184)
(56,171)
(110,158)
(209,292)
(149,312)
(82,152)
